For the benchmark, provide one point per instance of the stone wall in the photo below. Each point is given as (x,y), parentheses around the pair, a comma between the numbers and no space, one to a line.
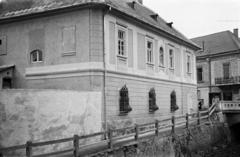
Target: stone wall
(42,115)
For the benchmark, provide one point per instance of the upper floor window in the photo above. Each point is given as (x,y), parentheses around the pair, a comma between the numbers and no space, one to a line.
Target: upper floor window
(161,57)
(226,70)
(188,63)
(122,42)
(171,59)
(199,74)
(149,52)
(36,56)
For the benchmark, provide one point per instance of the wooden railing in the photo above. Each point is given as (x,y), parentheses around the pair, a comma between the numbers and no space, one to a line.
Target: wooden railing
(115,138)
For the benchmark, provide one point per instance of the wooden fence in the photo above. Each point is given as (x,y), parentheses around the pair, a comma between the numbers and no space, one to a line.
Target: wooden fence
(118,137)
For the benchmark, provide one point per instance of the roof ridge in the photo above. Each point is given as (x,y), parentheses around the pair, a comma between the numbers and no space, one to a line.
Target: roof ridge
(209,34)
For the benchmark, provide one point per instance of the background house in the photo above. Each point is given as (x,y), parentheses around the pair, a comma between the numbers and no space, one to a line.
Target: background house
(218,66)
(142,66)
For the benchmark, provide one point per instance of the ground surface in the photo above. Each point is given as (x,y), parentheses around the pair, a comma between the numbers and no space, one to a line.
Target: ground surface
(232,150)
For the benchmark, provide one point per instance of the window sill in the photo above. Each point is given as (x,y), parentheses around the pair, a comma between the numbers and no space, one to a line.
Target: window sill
(37,62)
(150,64)
(122,57)
(200,81)
(171,69)
(65,54)
(161,66)
(122,113)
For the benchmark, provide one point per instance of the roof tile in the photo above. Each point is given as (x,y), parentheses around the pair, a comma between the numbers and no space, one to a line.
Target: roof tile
(139,11)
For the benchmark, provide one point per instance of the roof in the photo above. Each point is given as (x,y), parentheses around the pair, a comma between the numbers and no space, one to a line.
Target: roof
(217,43)
(139,12)
(5,67)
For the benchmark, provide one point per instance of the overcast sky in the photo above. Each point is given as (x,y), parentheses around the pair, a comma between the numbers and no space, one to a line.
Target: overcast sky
(196,18)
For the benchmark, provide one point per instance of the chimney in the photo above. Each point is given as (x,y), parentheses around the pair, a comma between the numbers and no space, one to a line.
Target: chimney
(235,32)
(140,1)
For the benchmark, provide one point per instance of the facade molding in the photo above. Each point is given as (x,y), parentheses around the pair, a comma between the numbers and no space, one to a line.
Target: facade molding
(88,69)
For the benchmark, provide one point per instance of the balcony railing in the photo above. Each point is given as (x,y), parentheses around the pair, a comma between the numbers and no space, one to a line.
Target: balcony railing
(230,80)
(230,105)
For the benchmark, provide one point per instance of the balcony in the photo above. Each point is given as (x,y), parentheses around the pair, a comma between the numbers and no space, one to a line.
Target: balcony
(227,81)
(230,106)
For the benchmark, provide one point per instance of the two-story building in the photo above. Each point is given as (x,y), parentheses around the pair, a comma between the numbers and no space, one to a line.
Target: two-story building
(142,65)
(218,65)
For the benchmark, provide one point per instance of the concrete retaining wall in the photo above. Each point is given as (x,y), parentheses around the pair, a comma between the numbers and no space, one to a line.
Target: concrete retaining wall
(42,115)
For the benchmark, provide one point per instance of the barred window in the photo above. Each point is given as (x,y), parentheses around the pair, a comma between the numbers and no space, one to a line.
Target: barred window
(124,101)
(152,100)
(173,99)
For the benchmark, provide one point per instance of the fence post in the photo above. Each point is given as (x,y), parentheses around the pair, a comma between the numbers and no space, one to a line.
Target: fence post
(29,149)
(110,138)
(173,124)
(156,127)
(137,132)
(76,145)
(209,114)
(198,120)
(187,120)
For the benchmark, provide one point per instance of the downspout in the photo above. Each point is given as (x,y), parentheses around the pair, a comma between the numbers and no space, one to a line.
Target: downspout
(105,71)
(210,77)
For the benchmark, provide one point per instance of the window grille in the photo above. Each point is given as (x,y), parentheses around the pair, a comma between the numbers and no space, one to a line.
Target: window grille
(124,101)
(152,100)
(173,98)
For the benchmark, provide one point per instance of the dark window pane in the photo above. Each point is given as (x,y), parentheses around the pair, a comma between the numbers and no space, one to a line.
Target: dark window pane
(199,74)
(226,69)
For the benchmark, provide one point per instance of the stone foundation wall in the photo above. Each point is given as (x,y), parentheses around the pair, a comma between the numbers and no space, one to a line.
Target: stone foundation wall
(138,89)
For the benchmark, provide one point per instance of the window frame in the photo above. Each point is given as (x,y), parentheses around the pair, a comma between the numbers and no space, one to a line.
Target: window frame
(189,64)
(172,67)
(161,56)
(223,65)
(152,51)
(123,29)
(200,67)
(38,60)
